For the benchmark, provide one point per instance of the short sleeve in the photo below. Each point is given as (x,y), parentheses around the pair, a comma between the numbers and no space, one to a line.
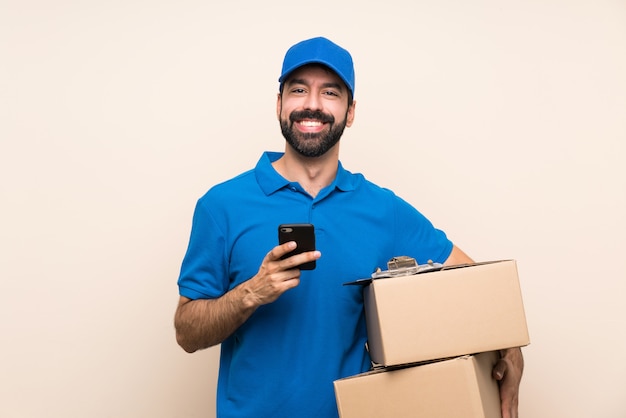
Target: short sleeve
(204,270)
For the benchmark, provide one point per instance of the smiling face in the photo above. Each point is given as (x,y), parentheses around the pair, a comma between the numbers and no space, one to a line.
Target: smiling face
(314,108)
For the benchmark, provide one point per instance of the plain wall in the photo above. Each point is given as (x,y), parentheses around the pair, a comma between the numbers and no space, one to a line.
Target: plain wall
(503,122)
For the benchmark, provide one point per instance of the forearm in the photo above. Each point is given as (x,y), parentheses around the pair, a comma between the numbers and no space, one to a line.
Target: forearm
(457,256)
(203,323)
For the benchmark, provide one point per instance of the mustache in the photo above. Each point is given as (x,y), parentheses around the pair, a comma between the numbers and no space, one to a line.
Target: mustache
(311,114)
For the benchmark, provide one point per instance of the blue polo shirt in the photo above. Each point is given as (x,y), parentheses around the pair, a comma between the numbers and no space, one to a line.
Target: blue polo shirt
(283,360)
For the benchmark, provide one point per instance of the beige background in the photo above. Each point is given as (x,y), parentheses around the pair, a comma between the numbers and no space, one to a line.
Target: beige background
(504,122)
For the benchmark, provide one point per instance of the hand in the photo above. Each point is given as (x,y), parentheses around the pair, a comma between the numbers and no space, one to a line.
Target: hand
(508,372)
(276,276)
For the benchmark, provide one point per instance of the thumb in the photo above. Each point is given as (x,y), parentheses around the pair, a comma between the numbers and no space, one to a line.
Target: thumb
(499,370)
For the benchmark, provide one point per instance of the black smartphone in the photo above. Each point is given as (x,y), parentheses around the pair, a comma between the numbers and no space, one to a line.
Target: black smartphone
(303,235)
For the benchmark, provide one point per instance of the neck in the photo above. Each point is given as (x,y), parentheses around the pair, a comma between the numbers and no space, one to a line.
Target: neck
(312,173)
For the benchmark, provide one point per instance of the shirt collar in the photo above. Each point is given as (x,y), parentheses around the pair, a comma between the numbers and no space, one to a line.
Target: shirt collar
(271,181)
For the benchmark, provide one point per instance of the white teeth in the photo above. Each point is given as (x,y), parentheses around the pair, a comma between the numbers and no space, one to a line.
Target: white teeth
(310,123)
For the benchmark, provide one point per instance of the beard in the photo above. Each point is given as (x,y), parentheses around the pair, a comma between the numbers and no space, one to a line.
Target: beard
(312,144)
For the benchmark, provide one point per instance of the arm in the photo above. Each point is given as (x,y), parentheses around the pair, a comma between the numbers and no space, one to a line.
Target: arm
(508,370)
(202,323)
(457,256)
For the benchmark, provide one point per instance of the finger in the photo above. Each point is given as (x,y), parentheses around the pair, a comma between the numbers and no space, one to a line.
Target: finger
(508,391)
(499,370)
(296,260)
(506,409)
(509,407)
(280,250)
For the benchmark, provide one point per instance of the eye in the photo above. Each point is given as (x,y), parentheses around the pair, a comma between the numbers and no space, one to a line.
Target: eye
(331,93)
(298,90)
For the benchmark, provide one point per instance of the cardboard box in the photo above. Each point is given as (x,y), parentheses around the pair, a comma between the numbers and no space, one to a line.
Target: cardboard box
(447,313)
(458,388)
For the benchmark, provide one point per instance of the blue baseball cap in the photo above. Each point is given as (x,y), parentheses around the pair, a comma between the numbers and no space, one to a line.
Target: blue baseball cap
(319,51)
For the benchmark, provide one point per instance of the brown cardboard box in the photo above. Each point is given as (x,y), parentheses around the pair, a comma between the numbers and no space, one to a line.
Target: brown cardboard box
(447,313)
(461,387)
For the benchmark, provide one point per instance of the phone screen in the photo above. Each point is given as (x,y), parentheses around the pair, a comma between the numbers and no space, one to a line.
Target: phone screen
(303,235)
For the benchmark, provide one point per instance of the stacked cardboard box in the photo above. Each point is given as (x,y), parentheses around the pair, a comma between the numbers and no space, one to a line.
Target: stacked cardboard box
(435,337)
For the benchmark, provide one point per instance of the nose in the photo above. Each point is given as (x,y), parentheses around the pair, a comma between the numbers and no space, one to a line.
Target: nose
(313,101)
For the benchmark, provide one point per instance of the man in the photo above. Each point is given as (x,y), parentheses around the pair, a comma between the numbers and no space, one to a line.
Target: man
(287,334)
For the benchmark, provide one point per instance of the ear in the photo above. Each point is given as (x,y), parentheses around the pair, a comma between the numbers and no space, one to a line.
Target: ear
(350,114)
(279,105)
